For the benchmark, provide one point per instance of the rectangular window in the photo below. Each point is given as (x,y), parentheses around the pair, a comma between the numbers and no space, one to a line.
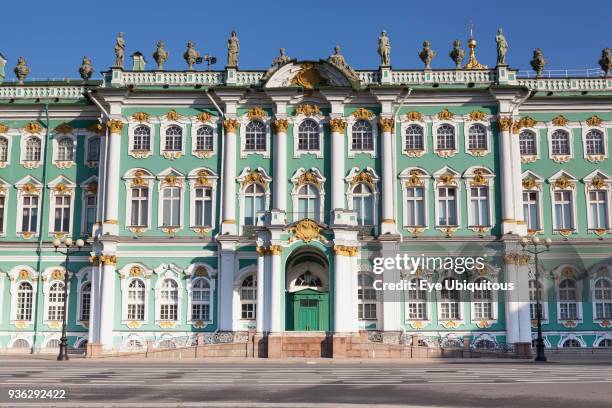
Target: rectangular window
(479,206)
(483,310)
(598,209)
(171,207)
(140,207)
(447,206)
(568,311)
(415,206)
(563,210)
(85,306)
(531,210)
(2,207)
(90,212)
(62,214)
(203,207)
(200,311)
(449,311)
(29,221)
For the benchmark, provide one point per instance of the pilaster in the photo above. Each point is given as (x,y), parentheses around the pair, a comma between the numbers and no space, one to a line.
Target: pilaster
(111,204)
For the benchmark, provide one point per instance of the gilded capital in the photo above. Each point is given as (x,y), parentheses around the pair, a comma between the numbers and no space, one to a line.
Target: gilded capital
(337,125)
(115,126)
(280,125)
(386,124)
(3,128)
(230,125)
(345,250)
(504,123)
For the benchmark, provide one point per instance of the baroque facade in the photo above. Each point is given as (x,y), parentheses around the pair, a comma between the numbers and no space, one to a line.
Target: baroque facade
(227,201)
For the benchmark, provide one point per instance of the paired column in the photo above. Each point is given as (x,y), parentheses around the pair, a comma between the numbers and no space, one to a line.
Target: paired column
(108,265)
(280,164)
(275,289)
(337,127)
(261,290)
(504,124)
(345,289)
(228,223)
(517,181)
(388,222)
(111,204)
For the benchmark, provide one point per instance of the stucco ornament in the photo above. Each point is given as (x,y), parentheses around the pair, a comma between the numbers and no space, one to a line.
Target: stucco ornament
(119,50)
(384,49)
(306,230)
(192,56)
(160,55)
(277,62)
(502,47)
(605,62)
(233,48)
(538,62)
(457,54)
(339,62)
(427,54)
(21,70)
(86,70)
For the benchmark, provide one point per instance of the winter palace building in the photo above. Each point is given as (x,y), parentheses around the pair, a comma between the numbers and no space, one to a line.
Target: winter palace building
(223,202)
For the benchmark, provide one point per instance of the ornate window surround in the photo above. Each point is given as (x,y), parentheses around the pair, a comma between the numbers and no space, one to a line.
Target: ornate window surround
(50,276)
(172,272)
(247,177)
(243,273)
(87,188)
(601,127)
(60,186)
(299,179)
(490,273)
(194,272)
(545,284)
(22,273)
(210,121)
(360,114)
(564,181)
(451,323)
(170,178)
(256,114)
(484,120)
(89,137)
(56,137)
(198,178)
(9,134)
(371,179)
(133,178)
(24,136)
(456,122)
(596,273)
(35,188)
(415,177)
(404,124)
(480,176)
(321,121)
(452,181)
(83,277)
(5,189)
(566,127)
(132,125)
(127,274)
(568,271)
(536,131)
(533,183)
(598,180)
(165,123)
(425,275)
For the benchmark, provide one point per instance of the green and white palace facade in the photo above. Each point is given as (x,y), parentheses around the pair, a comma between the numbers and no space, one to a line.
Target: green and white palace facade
(219,203)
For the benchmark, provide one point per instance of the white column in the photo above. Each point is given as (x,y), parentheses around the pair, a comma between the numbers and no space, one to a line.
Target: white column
(507,179)
(391,305)
(102,164)
(228,223)
(95,305)
(517,182)
(512,312)
(107,304)
(111,204)
(275,290)
(261,284)
(522,292)
(345,290)
(388,216)
(280,165)
(337,126)
(227,268)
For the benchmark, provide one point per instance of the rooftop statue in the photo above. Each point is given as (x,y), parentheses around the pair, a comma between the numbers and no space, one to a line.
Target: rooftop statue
(605,62)
(384,49)
(86,70)
(21,70)
(502,47)
(160,55)
(192,56)
(233,48)
(339,62)
(538,62)
(427,54)
(277,62)
(457,54)
(119,51)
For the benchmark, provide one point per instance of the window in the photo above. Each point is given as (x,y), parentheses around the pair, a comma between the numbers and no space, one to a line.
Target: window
(55,307)
(3,149)
(136,300)
(446,137)
(85,302)
(568,300)
(527,143)
(362,203)
(595,143)
(168,305)
(564,218)
(531,210)
(477,137)
(603,299)
(479,206)
(142,138)
(366,297)
(605,343)
(560,142)
(449,300)
(534,296)
(308,202)
(90,204)
(65,150)
(363,138)
(30,214)
(61,217)
(255,136)
(447,206)
(254,203)
(200,300)
(2,208)
(174,139)
(571,343)
(416,298)
(482,301)
(204,138)
(24,301)
(140,207)
(415,206)
(203,207)
(598,209)
(308,135)
(33,149)
(414,138)
(484,344)
(248,298)
(93,149)
(308,280)
(171,207)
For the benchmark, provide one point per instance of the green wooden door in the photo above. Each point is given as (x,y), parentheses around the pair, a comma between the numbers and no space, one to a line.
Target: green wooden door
(308,315)
(308,310)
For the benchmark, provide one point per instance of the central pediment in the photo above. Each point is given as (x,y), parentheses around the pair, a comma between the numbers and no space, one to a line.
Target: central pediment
(309,75)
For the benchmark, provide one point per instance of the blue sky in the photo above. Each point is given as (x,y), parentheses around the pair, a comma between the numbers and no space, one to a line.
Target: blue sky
(53,36)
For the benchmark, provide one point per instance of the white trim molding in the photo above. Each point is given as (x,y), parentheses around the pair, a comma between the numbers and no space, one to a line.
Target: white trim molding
(255,114)
(127,274)
(204,121)
(369,117)
(415,177)
(532,183)
(167,122)
(60,187)
(202,177)
(170,178)
(321,122)
(564,181)
(476,177)
(314,177)
(138,178)
(27,186)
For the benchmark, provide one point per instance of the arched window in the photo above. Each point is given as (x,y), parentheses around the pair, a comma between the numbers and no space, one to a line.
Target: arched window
(174,139)
(571,343)
(171,206)
(200,300)
(363,139)
(55,305)
(21,344)
(308,135)
(204,138)
(139,207)
(93,149)
(534,295)
(254,202)
(414,138)
(477,137)
(603,299)
(366,297)
(168,305)
(33,149)
(255,136)
(65,149)
(307,279)
(446,137)
(24,301)
(363,204)
(142,138)
(482,301)
(85,302)
(605,343)
(308,202)
(416,301)
(595,142)
(560,142)
(527,143)
(53,344)
(568,300)
(450,300)
(136,300)
(248,298)
(3,149)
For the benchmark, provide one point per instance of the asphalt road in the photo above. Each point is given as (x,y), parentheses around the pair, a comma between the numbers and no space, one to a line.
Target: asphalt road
(321,384)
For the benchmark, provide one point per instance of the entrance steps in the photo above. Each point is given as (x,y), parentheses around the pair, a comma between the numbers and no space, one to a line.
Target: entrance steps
(300,344)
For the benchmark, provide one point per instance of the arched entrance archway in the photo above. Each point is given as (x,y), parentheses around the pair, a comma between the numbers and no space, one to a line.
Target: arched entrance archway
(307,280)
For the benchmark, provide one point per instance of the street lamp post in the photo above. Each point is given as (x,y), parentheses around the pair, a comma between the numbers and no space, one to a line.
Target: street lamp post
(536,243)
(63,348)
